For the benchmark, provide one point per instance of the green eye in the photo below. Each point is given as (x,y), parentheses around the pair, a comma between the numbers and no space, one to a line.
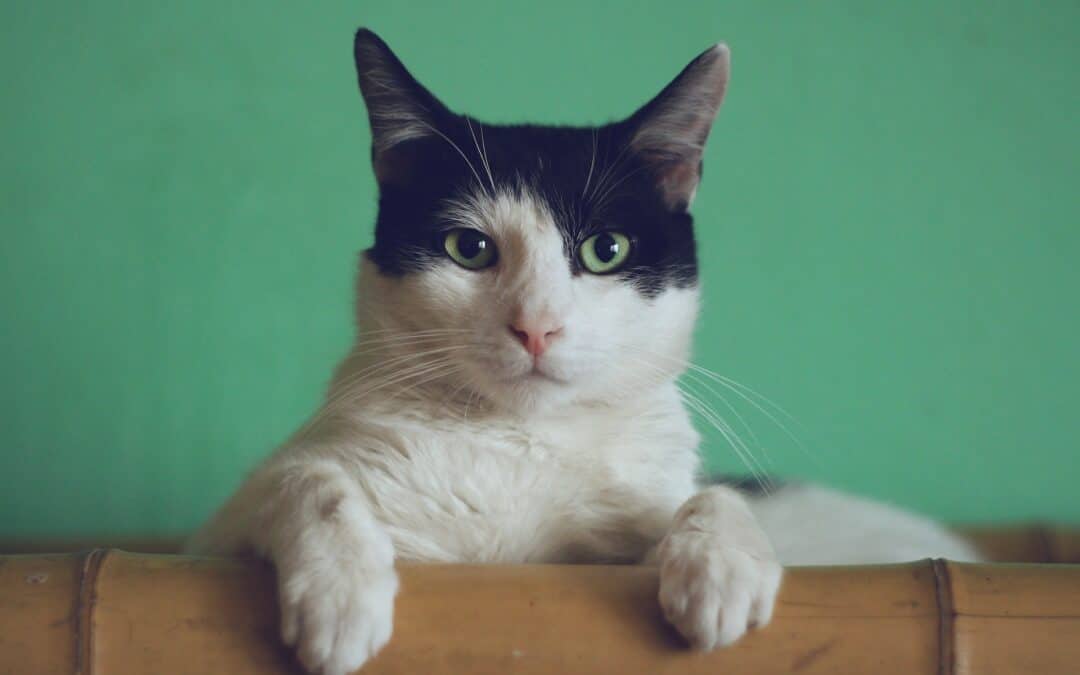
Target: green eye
(605,253)
(471,249)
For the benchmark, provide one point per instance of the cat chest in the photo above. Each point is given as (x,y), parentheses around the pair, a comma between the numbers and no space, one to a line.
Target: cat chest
(504,502)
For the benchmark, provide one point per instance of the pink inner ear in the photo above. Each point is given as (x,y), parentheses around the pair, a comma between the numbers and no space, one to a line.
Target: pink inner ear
(673,126)
(678,181)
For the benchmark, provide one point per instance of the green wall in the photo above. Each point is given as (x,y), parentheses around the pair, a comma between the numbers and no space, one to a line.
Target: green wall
(889,223)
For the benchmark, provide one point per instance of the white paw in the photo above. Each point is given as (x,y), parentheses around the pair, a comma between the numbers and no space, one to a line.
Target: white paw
(714,593)
(337,616)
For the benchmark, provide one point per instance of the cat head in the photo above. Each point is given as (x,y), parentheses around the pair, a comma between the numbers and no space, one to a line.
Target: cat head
(533,266)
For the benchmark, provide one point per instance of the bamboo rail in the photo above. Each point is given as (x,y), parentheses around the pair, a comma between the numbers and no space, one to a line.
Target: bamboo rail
(107,611)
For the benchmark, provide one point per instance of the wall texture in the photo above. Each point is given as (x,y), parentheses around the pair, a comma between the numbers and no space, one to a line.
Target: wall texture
(889,222)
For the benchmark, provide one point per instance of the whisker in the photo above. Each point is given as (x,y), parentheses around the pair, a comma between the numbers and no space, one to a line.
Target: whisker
(468,402)
(345,392)
(483,157)
(332,407)
(744,454)
(459,151)
(356,354)
(708,413)
(734,411)
(752,397)
(441,370)
(592,165)
(610,169)
(374,386)
(729,384)
(610,191)
(451,399)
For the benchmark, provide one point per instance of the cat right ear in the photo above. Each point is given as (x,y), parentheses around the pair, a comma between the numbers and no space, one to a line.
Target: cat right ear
(399,108)
(669,132)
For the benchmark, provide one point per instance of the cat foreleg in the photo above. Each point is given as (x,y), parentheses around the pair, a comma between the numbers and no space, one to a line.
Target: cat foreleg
(719,575)
(334,561)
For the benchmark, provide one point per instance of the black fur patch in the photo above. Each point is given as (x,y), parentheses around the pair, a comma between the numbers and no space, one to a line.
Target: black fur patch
(552,163)
(588,176)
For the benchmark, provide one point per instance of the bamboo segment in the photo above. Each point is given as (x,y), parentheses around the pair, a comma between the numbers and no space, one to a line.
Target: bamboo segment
(39,621)
(1012,620)
(126,614)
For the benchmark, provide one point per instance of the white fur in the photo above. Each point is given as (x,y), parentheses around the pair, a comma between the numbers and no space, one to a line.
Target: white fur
(810,525)
(718,573)
(442,441)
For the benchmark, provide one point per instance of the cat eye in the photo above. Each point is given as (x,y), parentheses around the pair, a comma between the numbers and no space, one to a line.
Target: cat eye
(471,249)
(605,253)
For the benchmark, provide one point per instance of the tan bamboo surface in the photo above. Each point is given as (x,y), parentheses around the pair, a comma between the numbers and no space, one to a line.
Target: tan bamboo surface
(107,611)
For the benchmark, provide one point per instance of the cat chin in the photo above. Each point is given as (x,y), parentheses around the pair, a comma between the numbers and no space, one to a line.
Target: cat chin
(529,394)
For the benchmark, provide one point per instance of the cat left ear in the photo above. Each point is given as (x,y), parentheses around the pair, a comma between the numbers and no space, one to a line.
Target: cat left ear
(669,132)
(399,108)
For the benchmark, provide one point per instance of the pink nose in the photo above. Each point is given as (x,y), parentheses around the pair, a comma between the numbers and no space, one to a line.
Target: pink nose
(535,336)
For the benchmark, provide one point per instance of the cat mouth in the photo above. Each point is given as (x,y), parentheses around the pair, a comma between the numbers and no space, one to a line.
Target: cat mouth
(536,374)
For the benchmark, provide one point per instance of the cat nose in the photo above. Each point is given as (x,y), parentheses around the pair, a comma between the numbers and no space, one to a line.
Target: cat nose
(536,336)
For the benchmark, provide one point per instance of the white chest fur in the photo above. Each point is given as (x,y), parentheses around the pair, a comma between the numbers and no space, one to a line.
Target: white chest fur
(600,483)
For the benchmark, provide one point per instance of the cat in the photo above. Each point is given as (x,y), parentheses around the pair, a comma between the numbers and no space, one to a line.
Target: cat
(523,316)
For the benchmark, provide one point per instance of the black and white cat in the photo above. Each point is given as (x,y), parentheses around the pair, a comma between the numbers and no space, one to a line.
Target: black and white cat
(511,397)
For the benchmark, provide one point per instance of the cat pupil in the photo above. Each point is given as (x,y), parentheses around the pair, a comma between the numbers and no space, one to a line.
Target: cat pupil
(471,244)
(606,247)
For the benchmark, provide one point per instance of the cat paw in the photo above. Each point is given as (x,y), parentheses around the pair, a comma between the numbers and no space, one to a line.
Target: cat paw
(337,618)
(713,593)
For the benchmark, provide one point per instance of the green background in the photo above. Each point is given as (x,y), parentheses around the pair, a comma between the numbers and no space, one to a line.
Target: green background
(889,223)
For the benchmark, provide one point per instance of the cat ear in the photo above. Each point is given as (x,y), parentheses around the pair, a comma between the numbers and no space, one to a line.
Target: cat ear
(399,108)
(669,132)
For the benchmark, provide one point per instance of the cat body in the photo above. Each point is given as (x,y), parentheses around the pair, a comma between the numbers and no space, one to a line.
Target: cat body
(599,483)
(512,396)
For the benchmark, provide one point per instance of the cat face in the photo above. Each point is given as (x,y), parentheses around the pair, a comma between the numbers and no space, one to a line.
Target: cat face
(534,266)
